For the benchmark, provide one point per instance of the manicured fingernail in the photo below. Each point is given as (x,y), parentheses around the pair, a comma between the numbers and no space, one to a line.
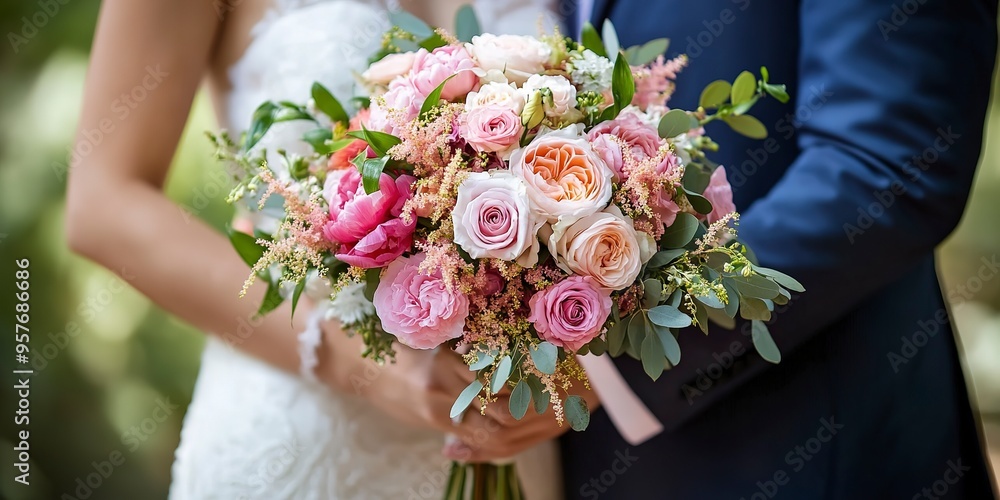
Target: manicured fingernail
(456,451)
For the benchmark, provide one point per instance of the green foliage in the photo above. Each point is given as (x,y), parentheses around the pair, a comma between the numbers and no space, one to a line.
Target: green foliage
(591,40)
(466,24)
(520,398)
(577,413)
(329,105)
(465,398)
(544,355)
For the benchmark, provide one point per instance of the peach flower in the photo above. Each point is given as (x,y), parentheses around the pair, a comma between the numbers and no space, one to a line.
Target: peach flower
(604,246)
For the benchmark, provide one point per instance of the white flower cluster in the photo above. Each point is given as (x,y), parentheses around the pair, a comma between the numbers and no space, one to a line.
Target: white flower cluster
(590,70)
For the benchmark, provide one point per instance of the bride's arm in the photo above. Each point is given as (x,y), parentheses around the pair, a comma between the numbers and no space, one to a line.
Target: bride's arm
(117,214)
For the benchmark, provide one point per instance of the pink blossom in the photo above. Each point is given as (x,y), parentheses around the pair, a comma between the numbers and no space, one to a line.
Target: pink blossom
(491,128)
(570,313)
(662,199)
(393,109)
(610,151)
(643,139)
(720,193)
(368,226)
(417,307)
(432,68)
(493,218)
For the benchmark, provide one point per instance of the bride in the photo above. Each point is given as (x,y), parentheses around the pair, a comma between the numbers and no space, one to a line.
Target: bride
(255,427)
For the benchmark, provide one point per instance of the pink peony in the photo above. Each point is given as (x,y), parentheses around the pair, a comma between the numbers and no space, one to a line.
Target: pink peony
(493,218)
(432,68)
(400,104)
(720,193)
(610,151)
(491,128)
(570,313)
(418,308)
(643,139)
(368,226)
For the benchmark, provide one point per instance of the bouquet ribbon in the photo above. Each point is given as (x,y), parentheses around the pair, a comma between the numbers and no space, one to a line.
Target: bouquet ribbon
(631,417)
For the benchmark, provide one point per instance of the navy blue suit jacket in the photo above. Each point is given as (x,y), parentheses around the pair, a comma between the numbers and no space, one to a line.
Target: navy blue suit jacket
(866,170)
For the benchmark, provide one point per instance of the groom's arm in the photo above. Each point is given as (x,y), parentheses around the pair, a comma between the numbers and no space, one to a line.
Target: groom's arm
(905,118)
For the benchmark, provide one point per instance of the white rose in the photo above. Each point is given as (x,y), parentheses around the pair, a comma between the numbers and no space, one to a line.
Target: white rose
(563,92)
(604,246)
(389,67)
(500,94)
(517,56)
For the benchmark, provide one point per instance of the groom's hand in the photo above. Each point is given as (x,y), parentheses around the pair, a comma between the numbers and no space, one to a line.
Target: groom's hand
(492,433)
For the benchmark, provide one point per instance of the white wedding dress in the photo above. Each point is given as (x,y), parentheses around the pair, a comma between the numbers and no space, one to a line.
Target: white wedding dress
(255,432)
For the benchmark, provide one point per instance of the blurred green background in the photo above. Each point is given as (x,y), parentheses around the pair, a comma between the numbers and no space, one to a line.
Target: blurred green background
(107,359)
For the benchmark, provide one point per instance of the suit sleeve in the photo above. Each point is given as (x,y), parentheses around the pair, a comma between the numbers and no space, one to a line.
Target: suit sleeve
(884,173)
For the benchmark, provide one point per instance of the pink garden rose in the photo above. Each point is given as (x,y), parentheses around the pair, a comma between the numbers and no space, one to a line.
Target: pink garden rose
(642,138)
(720,193)
(570,313)
(400,104)
(418,308)
(493,218)
(604,246)
(607,147)
(491,128)
(389,67)
(368,226)
(432,68)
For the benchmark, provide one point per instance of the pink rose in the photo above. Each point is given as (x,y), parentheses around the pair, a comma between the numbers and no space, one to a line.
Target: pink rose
(643,139)
(570,313)
(604,246)
(491,128)
(368,226)
(432,68)
(610,151)
(418,308)
(720,193)
(389,67)
(493,218)
(400,104)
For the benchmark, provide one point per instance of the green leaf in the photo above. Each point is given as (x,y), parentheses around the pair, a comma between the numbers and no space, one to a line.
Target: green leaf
(591,40)
(674,123)
(763,342)
(577,413)
(339,144)
(744,106)
(764,74)
(299,288)
(631,54)
(778,92)
(372,278)
(652,356)
(714,94)
(272,299)
(746,125)
(637,330)
(328,104)
(380,142)
(520,398)
(664,257)
(754,308)
(711,300)
(466,24)
(317,139)
(734,298)
(616,336)
(287,112)
(756,286)
(465,398)
(680,232)
(500,375)
(696,177)
(670,346)
(622,84)
(538,394)
(246,246)
(432,42)
(544,355)
(482,361)
(610,36)
(669,316)
(263,118)
(433,98)
(649,51)
(701,317)
(782,278)
(652,290)
(699,202)
(371,170)
(597,346)
(744,87)
(410,23)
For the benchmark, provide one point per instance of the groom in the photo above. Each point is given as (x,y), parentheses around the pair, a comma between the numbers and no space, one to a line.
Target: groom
(865,172)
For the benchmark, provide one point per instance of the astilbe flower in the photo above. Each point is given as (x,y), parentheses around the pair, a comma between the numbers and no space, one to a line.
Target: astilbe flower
(301,244)
(648,192)
(654,83)
(427,144)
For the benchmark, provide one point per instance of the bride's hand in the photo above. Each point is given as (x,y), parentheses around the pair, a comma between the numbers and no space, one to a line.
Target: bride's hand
(494,434)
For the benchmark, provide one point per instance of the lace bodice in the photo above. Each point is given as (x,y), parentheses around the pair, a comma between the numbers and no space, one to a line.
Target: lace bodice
(253,431)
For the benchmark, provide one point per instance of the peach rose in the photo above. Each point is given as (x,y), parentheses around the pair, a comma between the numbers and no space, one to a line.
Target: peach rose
(566,179)
(604,246)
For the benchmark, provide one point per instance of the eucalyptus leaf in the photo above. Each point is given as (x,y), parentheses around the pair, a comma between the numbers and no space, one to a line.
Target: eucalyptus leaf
(764,343)
(650,51)
(669,316)
(754,308)
(680,232)
(714,94)
(591,40)
(781,278)
(699,202)
(544,355)
(696,177)
(637,330)
(538,394)
(483,360)
(520,398)
(671,348)
(465,398)
(610,37)
(755,286)
(734,298)
(674,123)
(711,300)
(466,24)
(744,87)
(652,291)
(410,23)
(500,375)
(577,413)
(664,257)
(652,356)
(616,337)
(328,104)
(746,125)
(597,346)
(701,316)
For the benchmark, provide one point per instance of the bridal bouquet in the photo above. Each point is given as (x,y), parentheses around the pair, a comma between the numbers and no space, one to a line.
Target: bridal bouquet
(525,199)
